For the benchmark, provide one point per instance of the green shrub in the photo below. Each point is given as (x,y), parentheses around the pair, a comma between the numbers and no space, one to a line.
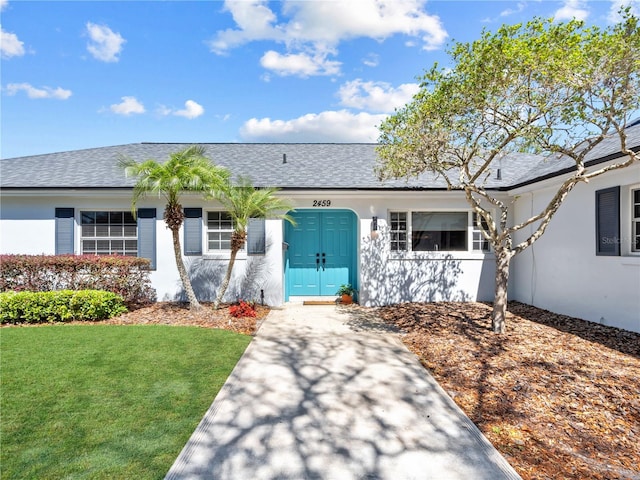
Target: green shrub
(59,306)
(125,276)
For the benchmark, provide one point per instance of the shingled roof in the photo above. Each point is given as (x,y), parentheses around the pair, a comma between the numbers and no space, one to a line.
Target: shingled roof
(284,165)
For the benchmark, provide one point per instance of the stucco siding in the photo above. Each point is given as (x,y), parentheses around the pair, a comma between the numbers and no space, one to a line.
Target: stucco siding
(386,277)
(27,225)
(561,271)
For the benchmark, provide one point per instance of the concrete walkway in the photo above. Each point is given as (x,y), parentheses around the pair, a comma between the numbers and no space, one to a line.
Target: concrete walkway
(323,392)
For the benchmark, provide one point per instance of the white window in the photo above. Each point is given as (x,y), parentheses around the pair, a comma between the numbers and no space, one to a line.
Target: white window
(219,229)
(635,220)
(436,231)
(398,222)
(108,233)
(480,243)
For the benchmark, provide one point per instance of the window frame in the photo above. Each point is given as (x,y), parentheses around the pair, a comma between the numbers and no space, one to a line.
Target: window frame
(471,231)
(449,236)
(207,231)
(476,231)
(398,232)
(129,252)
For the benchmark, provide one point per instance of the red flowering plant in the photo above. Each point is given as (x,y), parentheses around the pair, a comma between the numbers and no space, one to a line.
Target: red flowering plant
(242,309)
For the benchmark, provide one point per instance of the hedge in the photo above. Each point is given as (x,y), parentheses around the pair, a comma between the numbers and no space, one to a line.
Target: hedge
(59,306)
(124,276)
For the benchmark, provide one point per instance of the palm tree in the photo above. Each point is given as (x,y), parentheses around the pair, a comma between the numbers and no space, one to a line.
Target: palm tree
(187,170)
(243,202)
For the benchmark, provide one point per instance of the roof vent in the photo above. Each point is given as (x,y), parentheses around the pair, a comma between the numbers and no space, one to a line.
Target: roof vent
(499,175)
(284,158)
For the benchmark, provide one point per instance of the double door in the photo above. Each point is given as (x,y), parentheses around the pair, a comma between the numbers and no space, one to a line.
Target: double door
(321,253)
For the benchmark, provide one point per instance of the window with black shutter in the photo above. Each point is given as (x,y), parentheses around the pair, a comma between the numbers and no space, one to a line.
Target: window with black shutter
(256,237)
(65,227)
(192,231)
(147,234)
(608,222)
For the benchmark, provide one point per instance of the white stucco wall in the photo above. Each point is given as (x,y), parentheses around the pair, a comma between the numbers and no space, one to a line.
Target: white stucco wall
(27,225)
(387,277)
(561,271)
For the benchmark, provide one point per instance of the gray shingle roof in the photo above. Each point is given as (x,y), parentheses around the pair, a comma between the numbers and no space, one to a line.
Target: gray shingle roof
(308,166)
(609,147)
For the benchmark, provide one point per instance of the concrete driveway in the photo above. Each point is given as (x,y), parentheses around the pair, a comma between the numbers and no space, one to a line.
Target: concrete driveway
(327,392)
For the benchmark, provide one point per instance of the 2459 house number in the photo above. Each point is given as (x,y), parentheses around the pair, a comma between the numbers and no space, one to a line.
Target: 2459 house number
(322,203)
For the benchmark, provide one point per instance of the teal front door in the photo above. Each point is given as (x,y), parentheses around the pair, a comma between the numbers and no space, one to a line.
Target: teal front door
(321,253)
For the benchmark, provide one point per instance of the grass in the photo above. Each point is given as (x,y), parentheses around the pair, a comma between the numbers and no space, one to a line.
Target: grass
(102,401)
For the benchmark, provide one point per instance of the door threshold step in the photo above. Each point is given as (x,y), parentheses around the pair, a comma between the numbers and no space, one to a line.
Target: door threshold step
(319,302)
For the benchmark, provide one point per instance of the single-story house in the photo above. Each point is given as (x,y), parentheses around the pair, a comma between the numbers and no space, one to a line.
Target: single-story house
(395,241)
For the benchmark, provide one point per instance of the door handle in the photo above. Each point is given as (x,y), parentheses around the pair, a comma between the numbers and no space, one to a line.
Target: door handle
(324,260)
(318,262)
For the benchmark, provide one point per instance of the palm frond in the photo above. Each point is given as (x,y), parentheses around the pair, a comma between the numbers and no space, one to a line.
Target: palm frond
(187,170)
(243,201)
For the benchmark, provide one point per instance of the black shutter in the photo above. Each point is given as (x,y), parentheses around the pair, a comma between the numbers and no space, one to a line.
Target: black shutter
(65,227)
(608,222)
(147,234)
(192,231)
(256,236)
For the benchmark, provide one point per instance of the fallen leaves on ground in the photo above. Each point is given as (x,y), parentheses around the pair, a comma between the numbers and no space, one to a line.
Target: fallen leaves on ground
(559,397)
(171,313)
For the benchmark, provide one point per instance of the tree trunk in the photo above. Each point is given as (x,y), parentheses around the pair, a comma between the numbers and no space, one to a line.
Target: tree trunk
(184,276)
(226,280)
(499,315)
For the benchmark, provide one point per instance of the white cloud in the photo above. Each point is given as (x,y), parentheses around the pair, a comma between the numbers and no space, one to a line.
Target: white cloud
(163,110)
(255,21)
(332,22)
(3,4)
(371,60)
(572,9)
(191,110)
(313,28)
(328,126)
(300,64)
(614,12)
(105,45)
(376,96)
(10,46)
(38,93)
(128,106)
(510,11)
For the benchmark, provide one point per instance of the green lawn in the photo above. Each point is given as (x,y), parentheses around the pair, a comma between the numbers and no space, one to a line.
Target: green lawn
(101,401)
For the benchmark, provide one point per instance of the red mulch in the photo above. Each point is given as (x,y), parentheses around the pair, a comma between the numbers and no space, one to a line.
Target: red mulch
(559,397)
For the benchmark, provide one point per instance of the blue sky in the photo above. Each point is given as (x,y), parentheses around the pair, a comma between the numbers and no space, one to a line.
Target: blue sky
(84,74)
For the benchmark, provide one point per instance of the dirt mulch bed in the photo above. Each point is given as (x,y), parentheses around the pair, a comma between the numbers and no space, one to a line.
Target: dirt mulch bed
(559,397)
(179,314)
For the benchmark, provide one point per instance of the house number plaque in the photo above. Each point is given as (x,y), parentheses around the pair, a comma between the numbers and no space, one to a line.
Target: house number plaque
(322,203)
